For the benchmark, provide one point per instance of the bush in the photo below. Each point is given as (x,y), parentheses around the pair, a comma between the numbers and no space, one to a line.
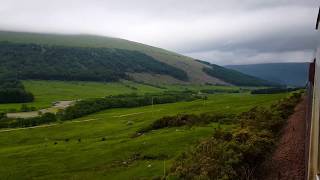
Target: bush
(26,108)
(185,119)
(2,115)
(237,154)
(12,90)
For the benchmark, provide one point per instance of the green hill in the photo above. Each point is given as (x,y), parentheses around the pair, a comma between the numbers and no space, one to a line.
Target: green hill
(31,61)
(192,68)
(98,58)
(234,77)
(292,74)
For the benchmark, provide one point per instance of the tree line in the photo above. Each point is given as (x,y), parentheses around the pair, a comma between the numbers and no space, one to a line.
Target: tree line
(214,91)
(89,106)
(274,90)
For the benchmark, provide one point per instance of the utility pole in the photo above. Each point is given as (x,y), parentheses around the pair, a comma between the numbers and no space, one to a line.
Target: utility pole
(152,107)
(164,168)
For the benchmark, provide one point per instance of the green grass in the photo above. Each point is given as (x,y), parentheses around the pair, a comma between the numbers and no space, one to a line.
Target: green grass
(31,153)
(46,92)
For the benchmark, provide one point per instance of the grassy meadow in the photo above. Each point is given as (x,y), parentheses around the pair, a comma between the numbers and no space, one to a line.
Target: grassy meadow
(101,146)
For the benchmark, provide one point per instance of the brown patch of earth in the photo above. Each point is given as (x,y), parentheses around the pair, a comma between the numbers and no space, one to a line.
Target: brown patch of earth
(288,160)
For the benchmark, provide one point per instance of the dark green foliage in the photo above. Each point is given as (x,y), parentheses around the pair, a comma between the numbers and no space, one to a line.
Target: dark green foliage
(214,91)
(237,154)
(152,85)
(90,106)
(25,108)
(2,115)
(234,77)
(12,90)
(186,119)
(28,122)
(273,90)
(31,61)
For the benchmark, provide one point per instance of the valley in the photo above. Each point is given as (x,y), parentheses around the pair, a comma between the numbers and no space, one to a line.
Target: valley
(101,146)
(95,107)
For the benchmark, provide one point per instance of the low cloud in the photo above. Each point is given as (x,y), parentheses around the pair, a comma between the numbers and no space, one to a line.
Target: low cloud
(222,32)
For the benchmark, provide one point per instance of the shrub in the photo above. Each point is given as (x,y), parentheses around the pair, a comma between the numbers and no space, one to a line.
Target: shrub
(237,154)
(12,90)
(186,119)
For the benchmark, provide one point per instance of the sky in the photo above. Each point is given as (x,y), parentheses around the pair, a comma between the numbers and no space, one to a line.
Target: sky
(219,31)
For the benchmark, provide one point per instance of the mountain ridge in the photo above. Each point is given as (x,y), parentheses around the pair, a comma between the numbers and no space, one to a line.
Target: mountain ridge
(165,67)
(191,67)
(290,73)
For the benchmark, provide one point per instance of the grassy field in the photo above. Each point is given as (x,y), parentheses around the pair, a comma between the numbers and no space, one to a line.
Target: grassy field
(100,146)
(46,92)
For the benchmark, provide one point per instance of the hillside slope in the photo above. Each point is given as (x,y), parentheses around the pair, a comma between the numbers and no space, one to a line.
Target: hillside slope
(234,77)
(98,58)
(31,61)
(294,74)
(191,67)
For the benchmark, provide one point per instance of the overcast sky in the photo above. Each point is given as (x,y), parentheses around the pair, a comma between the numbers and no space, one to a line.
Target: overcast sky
(219,31)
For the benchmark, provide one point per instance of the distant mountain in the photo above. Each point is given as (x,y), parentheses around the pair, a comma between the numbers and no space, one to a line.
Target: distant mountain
(292,74)
(99,58)
(235,77)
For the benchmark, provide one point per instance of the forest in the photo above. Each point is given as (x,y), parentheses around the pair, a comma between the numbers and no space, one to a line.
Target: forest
(44,62)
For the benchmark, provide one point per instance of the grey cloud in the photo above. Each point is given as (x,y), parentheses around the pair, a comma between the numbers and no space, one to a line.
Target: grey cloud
(224,32)
(252,57)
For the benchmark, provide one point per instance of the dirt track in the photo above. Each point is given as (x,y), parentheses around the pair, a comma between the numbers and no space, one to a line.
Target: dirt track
(288,160)
(57,105)
(77,121)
